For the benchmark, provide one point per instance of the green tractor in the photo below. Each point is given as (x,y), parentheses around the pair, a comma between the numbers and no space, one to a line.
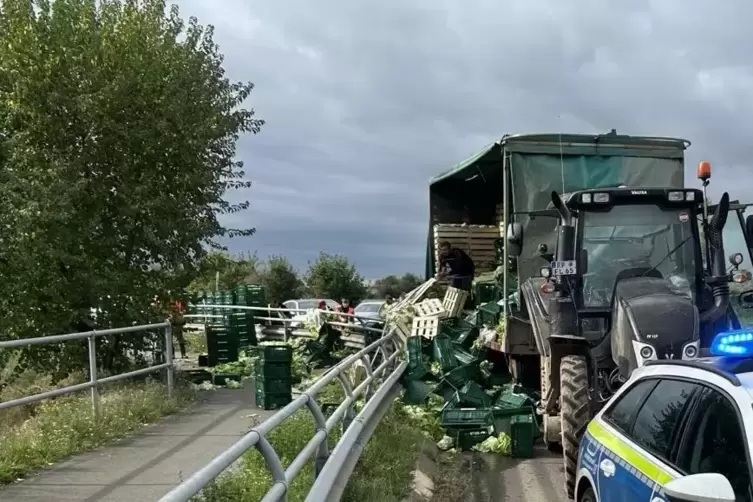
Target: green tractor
(615,264)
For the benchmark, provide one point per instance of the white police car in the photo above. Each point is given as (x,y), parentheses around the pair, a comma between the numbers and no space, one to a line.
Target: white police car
(675,431)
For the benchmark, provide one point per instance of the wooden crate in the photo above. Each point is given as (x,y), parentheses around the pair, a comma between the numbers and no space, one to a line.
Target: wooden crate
(476,240)
(428,327)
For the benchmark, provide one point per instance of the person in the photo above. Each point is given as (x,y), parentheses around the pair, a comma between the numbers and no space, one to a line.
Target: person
(346,308)
(322,305)
(460,265)
(178,321)
(389,299)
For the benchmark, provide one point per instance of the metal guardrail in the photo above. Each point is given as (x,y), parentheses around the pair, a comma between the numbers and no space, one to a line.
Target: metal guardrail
(94,381)
(332,469)
(353,340)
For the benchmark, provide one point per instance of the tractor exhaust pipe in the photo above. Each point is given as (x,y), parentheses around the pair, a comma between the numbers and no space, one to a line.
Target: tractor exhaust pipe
(718,280)
(565,232)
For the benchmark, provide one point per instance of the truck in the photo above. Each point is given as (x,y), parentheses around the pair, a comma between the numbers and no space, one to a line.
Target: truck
(604,260)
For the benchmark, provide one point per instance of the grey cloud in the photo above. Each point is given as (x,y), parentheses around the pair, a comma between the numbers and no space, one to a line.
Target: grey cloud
(366,100)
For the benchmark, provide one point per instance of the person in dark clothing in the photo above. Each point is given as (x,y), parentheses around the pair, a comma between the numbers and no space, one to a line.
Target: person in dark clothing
(457,265)
(178,321)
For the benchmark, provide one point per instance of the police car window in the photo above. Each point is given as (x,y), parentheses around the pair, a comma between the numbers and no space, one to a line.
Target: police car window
(622,412)
(657,420)
(714,442)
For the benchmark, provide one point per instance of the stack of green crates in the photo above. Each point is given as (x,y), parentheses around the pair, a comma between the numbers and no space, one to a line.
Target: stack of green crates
(242,325)
(273,376)
(222,344)
(250,295)
(227,298)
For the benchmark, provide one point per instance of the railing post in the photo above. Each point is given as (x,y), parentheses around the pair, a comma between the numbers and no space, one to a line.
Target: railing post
(93,375)
(169,359)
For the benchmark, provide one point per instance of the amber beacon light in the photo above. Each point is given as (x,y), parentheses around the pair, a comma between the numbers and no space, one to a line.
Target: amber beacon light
(703,172)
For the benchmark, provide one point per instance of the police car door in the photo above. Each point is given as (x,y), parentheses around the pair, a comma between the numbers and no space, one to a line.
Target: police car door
(715,441)
(640,435)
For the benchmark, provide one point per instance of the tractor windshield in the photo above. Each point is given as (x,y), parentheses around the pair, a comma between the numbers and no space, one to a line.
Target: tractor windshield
(643,239)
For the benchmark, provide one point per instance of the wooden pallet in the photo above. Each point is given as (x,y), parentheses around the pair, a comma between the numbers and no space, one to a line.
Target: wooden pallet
(454,301)
(428,327)
(476,240)
(430,307)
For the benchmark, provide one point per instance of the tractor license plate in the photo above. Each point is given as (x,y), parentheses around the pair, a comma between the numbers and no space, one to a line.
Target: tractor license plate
(560,268)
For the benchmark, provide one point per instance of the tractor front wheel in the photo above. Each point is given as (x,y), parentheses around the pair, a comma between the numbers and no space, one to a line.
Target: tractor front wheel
(574,413)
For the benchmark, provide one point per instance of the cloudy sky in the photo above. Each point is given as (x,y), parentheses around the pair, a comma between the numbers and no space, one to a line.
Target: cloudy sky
(366,100)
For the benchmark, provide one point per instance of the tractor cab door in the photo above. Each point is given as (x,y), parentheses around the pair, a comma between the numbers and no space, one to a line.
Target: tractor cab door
(738,240)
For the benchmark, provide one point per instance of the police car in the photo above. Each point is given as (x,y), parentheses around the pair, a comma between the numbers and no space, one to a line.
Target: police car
(675,431)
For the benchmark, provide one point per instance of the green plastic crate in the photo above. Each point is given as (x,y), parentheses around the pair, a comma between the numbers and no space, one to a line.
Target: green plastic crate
(222,378)
(466,417)
(464,357)
(274,385)
(462,374)
(511,400)
(488,314)
(485,292)
(460,331)
(273,353)
(523,431)
(273,370)
(443,353)
(272,401)
(473,395)
(466,439)
(417,367)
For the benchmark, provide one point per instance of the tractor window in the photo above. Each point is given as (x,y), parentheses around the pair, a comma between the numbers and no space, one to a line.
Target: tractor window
(734,242)
(637,238)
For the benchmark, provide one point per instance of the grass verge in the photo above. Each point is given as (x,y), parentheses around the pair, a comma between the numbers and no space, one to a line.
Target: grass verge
(38,435)
(384,472)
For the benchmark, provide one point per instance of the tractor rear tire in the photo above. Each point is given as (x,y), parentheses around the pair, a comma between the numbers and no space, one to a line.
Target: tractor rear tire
(574,413)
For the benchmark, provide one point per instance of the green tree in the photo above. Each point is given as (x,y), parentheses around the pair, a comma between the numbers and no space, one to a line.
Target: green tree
(334,277)
(118,129)
(394,285)
(280,280)
(233,272)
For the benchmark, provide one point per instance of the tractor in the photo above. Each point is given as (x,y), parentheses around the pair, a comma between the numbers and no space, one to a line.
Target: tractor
(615,263)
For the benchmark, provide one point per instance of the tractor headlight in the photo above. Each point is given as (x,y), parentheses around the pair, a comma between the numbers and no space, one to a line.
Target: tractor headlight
(585,198)
(647,352)
(601,198)
(690,351)
(546,272)
(676,196)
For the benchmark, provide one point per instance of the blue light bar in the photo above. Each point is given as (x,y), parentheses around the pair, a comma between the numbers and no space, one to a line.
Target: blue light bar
(737,343)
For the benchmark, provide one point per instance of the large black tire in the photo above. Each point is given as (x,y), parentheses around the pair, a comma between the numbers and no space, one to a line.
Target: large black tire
(588,495)
(574,413)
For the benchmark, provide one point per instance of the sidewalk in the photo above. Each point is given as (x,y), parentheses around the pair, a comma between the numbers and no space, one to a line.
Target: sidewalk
(147,465)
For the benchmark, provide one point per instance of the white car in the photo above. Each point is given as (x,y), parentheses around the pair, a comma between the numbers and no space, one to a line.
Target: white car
(677,430)
(304,307)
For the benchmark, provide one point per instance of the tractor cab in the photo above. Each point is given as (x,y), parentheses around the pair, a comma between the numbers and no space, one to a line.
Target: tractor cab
(636,256)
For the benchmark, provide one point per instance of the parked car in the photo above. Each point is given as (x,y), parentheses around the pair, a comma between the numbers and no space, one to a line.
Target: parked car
(369,313)
(306,305)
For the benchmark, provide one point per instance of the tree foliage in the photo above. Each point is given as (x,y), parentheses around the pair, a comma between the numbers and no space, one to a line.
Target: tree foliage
(395,286)
(118,129)
(280,280)
(334,277)
(219,270)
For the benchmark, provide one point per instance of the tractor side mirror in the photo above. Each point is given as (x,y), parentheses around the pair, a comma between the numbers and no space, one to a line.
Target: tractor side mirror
(749,230)
(745,300)
(514,239)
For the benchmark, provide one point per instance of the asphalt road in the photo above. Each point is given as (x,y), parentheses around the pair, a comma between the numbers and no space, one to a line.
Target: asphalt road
(496,478)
